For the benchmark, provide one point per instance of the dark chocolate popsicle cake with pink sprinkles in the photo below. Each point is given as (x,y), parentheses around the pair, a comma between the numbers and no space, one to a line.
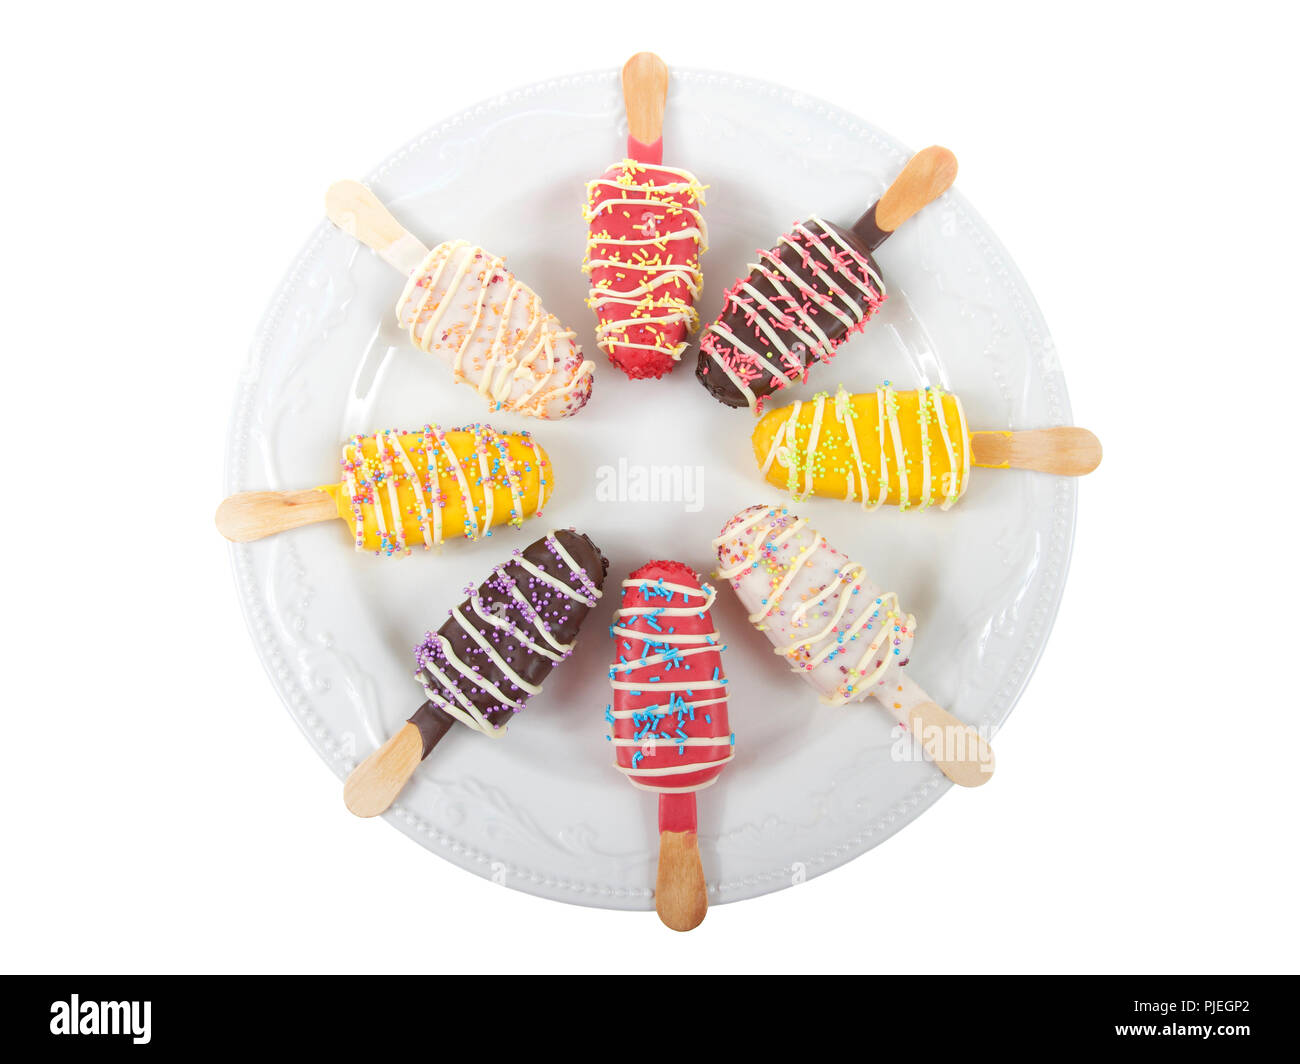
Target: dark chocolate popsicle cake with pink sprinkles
(812,291)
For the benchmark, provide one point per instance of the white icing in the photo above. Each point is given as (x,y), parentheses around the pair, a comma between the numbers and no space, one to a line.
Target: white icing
(821,612)
(518,633)
(464,304)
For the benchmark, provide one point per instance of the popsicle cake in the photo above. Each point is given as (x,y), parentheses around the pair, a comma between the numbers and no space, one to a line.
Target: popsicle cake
(645,237)
(400,488)
(668,719)
(837,629)
(489,657)
(462,304)
(810,292)
(910,449)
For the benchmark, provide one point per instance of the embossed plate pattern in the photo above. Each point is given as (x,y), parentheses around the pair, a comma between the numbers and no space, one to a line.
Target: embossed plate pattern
(543,810)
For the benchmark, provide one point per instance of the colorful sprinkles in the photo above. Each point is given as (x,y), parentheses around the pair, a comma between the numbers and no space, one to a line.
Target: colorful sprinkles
(513,623)
(399,483)
(800,302)
(819,609)
(872,447)
(668,721)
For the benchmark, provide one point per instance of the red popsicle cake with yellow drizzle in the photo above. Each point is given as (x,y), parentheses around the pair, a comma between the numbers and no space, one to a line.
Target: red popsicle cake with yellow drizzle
(645,238)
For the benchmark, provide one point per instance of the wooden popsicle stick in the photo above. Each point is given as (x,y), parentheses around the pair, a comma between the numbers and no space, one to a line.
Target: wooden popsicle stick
(927,176)
(357,211)
(374,784)
(681,897)
(1066,451)
(681,894)
(252,515)
(645,91)
(957,749)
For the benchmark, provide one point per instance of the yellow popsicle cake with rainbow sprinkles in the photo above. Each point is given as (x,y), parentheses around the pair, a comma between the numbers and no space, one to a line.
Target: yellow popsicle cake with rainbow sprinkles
(399,490)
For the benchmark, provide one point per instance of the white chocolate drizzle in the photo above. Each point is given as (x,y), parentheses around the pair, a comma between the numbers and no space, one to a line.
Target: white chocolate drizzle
(669,650)
(437,682)
(791,325)
(373,483)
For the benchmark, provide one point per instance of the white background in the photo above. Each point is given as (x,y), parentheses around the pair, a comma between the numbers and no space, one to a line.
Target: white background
(164,165)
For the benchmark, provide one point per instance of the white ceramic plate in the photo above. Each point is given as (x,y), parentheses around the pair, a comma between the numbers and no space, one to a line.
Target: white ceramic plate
(543,810)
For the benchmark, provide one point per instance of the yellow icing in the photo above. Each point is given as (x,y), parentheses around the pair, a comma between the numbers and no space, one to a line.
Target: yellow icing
(876,447)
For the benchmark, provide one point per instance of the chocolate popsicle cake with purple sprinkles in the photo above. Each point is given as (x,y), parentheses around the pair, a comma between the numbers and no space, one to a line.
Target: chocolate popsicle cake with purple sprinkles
(489,657)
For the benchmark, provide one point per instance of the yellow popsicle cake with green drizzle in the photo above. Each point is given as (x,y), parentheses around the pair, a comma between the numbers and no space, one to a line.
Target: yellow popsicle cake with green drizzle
(907,449)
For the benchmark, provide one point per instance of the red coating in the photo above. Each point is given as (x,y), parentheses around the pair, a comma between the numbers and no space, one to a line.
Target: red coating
(653,154)
(629,222)
(648,692)
(677,812)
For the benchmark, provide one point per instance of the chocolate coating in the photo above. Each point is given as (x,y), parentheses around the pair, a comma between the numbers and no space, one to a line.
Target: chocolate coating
(737,319)
(869,234)
(432,724)
(494,597)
